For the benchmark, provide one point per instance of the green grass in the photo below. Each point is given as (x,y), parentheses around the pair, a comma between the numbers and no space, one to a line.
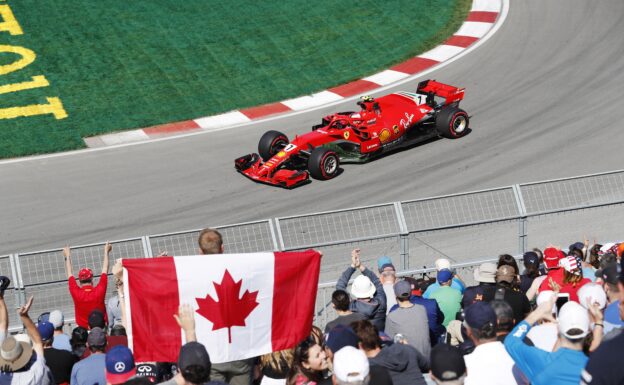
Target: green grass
(122,65)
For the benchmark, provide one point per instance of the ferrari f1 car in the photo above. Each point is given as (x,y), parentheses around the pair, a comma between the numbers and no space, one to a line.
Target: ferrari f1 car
(383,124)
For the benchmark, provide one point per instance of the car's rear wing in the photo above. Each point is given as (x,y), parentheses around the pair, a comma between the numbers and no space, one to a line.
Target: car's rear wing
(449,93)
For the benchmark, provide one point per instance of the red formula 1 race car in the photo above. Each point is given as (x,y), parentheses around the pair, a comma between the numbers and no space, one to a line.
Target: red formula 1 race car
(383,124)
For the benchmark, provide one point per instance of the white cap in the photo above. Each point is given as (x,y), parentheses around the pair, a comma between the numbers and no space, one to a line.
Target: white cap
(362,287)
(594,292)
(23,337)
(545,296)
(56,318)
(442,263)
(350,365)
(573,316)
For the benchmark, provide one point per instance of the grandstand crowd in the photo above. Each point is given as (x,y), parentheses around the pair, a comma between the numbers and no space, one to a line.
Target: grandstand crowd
(555,318)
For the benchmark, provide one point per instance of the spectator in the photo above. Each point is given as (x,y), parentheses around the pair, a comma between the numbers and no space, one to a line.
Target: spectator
(554,275)
(60,362)
(61,340)
(505,276)
(338,338)
(608,276)
(96,319)
(387,276)
(113,307)
(351,367)
(408,320)
(504,319)
(341,303)
(78,342)
(443,263)
(120,365)
(562,366)
(508,260)
(370,298)
(91,370)
(117,337)
(193,366)
(489,363)
(448,299)
(545,334)
(485,274)
(447,365)
(604,366)
(86,296)
(275,367)
(404,363)
(20,362)
(531,270)
(572,278)
(435,317)
(309,362)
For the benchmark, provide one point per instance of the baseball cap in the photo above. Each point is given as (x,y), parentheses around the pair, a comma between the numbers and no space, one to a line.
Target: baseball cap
(480,314)
(193,353)
(573,320)
(608,248)
(442,263)
(402,289)
(444,275)
(486,273)
(383,261)
(530,258)
(362,287)
(96,337)
(341,336)
(119,365)
(576,246)
(447,362)
(350,365)
(46,330)
(608,273)
(552,257)
(96,319)
(570,265)
(386,266)
(85,274)
(505,273)
(544,296)
(148,371)
(594,293)
(56,318)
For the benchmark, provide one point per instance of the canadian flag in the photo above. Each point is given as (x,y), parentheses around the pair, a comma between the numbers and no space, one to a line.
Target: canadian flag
(245,304)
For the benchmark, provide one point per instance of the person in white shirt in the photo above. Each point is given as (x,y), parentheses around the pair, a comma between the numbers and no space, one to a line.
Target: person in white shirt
(489,363)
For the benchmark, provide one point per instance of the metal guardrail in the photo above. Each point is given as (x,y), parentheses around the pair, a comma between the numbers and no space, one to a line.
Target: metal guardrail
(462,227)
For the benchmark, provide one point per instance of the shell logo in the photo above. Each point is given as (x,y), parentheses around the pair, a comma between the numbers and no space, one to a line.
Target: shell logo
(346,134)
(281,154)
(395,128)
(384,135)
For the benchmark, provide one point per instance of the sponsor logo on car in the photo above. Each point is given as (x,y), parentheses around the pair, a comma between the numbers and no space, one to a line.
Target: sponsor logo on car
(281,154)
(407,121)
(384,135)
(346,134)
(395,128)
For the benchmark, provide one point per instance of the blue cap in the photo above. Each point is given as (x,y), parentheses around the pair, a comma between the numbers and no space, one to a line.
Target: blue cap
(480,314)
(530,258)
(46,330)
(383,261)
(444,275)
(119,365)
(341,336)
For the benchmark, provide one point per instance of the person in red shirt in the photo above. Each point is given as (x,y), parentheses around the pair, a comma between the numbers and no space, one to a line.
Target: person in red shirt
(572,277)
(87,297)
(554,278)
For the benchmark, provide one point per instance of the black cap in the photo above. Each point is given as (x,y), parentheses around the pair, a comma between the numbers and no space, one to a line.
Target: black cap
(447,362)
(193,353)
(609,273)
(96,319)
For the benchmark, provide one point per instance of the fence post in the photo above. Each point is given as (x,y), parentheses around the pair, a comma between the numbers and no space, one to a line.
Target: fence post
(403,235)
(19,285)
(272,227)
(522,220)
(147,246)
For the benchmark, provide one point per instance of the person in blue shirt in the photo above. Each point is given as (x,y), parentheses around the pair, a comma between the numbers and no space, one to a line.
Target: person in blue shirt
(564,365)
(457,283)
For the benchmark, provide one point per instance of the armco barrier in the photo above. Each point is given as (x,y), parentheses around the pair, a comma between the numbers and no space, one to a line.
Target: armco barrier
(462,227)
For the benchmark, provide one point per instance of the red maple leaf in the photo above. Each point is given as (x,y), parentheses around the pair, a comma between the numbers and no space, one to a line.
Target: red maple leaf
(229,310)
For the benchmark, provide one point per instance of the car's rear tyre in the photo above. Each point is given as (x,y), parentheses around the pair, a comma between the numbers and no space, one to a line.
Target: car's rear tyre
(452,122)
(323,163)
(271,143)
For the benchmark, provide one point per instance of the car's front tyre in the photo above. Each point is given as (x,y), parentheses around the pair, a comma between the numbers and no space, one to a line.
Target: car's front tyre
(323,163)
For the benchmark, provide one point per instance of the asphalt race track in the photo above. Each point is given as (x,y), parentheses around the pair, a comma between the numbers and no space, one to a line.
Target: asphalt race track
(545,98)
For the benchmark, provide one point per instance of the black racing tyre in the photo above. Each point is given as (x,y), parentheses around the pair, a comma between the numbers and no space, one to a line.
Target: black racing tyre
(271,143)
(452,122)
(323,163)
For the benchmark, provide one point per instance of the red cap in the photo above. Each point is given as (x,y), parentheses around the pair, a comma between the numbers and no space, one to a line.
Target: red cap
(552,257)
(85,274)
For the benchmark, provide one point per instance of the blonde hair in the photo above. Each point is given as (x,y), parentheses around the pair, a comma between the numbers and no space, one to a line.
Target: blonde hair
(277,359)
